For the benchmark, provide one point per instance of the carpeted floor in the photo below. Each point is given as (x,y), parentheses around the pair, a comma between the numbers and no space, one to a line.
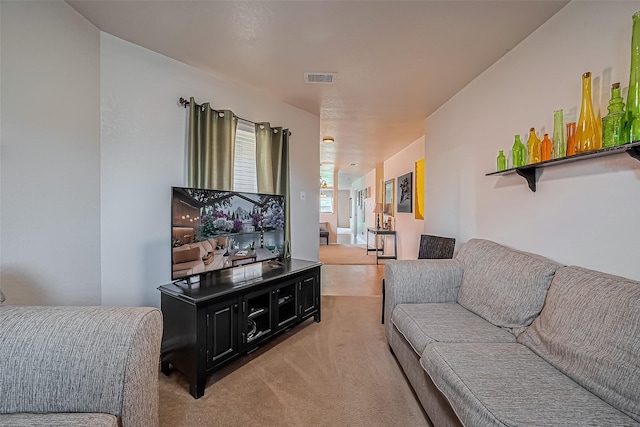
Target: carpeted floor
(346,254)
(338,372)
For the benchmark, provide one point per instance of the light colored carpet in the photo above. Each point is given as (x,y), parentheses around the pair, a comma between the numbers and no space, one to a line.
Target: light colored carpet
(346,254)
(338,372)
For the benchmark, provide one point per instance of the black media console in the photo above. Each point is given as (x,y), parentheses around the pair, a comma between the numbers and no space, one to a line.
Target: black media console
(231,312)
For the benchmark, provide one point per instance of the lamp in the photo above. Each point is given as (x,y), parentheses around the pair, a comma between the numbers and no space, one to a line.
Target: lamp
(328,140)
(378,210)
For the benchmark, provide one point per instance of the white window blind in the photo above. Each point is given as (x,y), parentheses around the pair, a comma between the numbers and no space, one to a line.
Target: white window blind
(244,168)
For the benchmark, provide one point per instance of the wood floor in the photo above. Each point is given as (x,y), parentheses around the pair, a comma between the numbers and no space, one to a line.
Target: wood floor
(349,279)
(352,280)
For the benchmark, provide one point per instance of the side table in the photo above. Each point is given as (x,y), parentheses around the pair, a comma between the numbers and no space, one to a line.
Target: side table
(384,233)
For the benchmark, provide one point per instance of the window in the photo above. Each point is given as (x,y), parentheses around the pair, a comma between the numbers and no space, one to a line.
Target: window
(326,201)
(244,168)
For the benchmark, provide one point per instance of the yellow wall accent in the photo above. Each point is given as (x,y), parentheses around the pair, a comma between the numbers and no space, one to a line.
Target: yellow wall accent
(419,212)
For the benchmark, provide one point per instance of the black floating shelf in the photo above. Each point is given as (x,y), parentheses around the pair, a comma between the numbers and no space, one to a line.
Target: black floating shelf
(528,172)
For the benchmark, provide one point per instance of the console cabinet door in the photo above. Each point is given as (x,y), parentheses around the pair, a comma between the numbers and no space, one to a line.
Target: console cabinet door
(257,316)
(222,332)
(286,303)
(309,295)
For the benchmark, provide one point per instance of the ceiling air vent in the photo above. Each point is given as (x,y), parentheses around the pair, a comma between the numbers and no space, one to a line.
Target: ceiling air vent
(320,78)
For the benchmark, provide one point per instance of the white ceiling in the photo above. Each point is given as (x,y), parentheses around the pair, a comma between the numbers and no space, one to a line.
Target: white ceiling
(397,61)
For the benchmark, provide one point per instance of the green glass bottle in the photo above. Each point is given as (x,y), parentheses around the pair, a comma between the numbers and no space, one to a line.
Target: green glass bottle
(534,147)
(502,161)
(613,123)
(559,145)
(518,153)
(632,123)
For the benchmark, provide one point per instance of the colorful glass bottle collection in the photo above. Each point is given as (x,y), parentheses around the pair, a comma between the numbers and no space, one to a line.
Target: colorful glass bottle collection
(590,133)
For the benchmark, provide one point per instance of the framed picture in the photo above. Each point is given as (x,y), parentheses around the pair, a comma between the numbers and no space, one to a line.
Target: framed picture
(405,193)
(388,197)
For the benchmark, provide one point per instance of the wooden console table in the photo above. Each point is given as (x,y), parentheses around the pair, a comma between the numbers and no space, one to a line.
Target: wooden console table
(231,312)
(384,233)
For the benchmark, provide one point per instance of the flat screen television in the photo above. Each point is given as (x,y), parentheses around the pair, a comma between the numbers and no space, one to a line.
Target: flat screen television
(213,230)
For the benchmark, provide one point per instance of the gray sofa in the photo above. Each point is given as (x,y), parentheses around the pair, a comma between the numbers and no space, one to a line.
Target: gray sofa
(79,366)
(499,337)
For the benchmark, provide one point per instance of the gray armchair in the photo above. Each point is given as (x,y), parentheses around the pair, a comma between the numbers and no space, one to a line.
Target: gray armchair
(76,366)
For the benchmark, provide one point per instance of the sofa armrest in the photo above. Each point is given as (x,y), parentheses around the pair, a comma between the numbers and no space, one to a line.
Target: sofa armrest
(420,281)
(81,359)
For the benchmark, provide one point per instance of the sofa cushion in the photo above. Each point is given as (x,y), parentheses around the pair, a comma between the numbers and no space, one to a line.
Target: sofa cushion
(506,384)
(590,330)
(188,268)
(422,324)
(203,251)
(66,419)
(186,255)
(207,246)
(505,286)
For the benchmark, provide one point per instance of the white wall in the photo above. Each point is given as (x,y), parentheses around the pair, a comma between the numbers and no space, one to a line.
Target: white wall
(92,140)
(363,215)
(343,208)
(50,155)
(143,145)
(583,213)
(408,229)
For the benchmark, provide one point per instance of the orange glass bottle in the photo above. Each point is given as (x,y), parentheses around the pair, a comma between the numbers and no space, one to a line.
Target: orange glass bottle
(546,148)
(571,139)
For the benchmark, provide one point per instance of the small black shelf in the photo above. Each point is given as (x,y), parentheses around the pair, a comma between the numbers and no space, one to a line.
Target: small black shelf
(528,172)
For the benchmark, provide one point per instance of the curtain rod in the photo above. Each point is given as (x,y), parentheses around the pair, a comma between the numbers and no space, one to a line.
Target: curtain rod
(186,103)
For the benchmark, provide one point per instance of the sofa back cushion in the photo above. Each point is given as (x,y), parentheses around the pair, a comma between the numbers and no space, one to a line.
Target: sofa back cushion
(505,286)
(589,329)
(186,255)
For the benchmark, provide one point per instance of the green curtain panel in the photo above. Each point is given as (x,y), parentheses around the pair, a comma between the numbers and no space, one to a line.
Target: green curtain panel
(210,147)
(272,168)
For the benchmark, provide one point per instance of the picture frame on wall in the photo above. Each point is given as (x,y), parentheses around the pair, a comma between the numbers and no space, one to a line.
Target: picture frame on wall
(388,197)
(405,193)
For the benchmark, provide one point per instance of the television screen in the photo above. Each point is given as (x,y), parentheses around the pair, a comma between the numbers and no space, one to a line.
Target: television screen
(212,230)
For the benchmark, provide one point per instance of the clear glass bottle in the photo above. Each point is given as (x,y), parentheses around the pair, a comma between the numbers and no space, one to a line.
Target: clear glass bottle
(518,152)
(546,148)
(613,123)
(501,161)
(587,137)
(571,139)
(534,147)
(632,123)
(559,149)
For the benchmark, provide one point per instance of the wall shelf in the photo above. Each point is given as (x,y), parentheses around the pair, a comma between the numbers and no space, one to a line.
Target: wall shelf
(528,172)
